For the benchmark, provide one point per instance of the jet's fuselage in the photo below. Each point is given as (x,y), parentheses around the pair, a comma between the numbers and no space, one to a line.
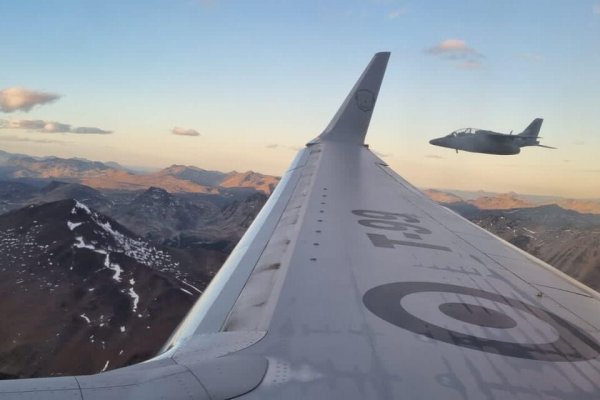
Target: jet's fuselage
(490,142)
(479,143)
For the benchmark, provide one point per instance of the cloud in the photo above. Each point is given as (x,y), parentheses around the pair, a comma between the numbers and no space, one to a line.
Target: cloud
(23,124)
(48,126)
(454,49)
(184,132)
(457,50)
(579,142)
(596,9)
(532,57)
(56,127)
(397,13)
(90,130)
(435,156)
(12,138)
(274,146)
(469,64)
(17,98)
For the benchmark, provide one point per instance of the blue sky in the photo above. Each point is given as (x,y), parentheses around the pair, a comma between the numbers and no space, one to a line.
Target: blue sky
(258,79)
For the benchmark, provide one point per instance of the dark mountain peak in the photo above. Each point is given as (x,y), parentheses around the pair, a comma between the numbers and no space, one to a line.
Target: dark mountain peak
(193,174)
(57,190)
(553,208)
(157,190)
(175,168)
(90,282)
(155,195)
(54,185)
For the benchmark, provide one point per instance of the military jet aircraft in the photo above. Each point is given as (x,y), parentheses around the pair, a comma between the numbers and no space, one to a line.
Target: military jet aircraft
(489,142)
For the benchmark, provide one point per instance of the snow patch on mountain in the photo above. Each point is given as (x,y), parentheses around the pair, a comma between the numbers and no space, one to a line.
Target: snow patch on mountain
(81,206)
(136,299)
(73,225)
(116,268)
(80,244)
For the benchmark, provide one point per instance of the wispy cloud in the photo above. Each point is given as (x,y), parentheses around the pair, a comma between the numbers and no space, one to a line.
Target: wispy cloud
(465,56)
(30,124)
(56,127)
(90,130)
(184,132)
(398,12)
(454,49)
(274,146)
(434,156)
(12,138)
(532,57)
(469,64)
(18,98)
(38,125)
(596,9)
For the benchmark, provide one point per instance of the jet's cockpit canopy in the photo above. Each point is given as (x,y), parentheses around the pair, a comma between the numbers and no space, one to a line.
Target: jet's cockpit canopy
(463,132)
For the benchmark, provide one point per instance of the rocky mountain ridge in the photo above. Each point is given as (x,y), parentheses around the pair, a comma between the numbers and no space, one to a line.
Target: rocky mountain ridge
(505,201)
(76,282)
(110,175)
(566,239)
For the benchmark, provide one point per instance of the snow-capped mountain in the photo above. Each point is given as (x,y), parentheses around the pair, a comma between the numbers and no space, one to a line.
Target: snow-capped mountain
(76,282)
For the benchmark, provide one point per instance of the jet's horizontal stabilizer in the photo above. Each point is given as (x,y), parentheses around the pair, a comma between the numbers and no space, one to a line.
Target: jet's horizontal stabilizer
(546,147)
(351,122)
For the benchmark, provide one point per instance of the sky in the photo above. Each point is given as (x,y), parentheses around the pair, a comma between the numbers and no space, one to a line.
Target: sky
(242,85)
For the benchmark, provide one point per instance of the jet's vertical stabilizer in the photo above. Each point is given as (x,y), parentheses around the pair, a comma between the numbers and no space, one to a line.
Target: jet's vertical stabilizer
(351,122)
(533,130)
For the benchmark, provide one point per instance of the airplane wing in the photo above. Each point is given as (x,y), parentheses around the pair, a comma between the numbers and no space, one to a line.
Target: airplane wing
(502,136)
(351,284)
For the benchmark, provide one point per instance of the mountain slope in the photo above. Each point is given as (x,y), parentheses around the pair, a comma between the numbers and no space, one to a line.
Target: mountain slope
(110,175)
(565,239)
(76,282)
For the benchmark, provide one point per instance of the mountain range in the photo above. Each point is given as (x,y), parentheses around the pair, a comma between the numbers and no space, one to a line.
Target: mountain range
(108,272)
(102,261)
(177,178)
(504,201)
(566,239)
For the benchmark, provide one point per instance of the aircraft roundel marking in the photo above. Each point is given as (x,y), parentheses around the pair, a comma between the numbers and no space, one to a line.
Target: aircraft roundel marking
(571,344)
(478,315)
(365,99)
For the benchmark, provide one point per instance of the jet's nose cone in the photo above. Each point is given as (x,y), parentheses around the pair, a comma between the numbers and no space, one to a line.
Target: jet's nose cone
(435,141)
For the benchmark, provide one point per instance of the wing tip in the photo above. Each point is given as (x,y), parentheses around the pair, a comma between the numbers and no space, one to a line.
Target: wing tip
(351,122)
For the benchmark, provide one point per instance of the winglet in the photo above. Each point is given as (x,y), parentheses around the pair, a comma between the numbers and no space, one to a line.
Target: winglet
(351,122)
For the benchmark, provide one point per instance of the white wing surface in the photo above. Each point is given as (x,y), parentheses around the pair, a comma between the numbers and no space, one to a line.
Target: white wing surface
(351,284)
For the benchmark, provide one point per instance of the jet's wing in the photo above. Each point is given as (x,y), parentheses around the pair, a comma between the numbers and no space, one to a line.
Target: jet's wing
(351,284)
(501,137)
